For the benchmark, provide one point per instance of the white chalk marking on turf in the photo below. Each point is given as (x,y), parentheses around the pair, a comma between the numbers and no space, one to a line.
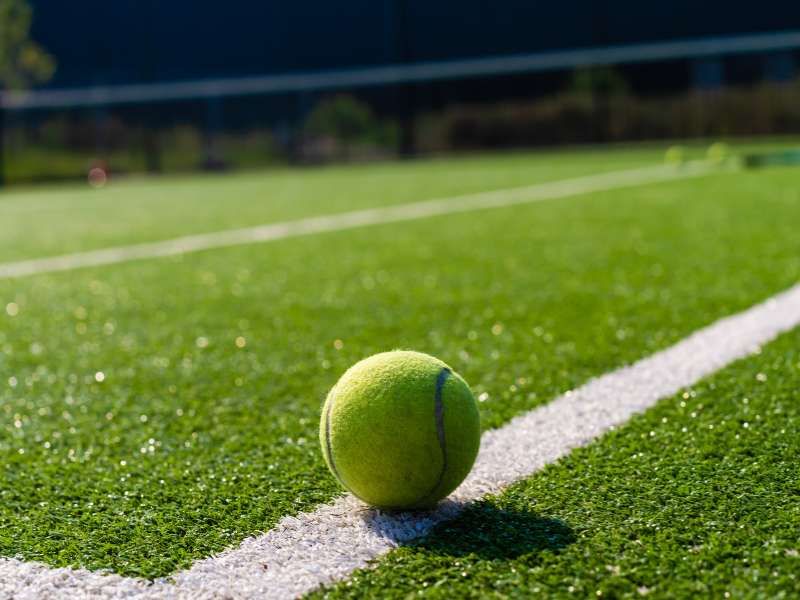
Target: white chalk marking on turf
(350,220)
(311,549)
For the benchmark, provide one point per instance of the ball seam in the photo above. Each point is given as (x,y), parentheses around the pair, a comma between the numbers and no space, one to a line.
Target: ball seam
(328,448)
(441,379)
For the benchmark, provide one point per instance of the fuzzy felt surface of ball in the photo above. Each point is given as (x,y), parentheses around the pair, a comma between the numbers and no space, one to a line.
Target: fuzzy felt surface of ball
(400,430)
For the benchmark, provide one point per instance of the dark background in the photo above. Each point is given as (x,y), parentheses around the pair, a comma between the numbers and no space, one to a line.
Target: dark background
(113,42)
(124,41)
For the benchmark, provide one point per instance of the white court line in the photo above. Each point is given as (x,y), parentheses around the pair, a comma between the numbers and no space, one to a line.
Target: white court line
(311,549)
(350,220)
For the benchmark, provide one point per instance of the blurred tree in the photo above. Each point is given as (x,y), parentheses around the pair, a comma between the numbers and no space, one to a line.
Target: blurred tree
(344,119)
(604,80)
(601,84)
(22,61)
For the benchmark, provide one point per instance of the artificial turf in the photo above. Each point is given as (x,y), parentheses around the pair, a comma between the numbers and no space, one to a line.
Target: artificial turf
(70,217)
(698,497)
(140,433)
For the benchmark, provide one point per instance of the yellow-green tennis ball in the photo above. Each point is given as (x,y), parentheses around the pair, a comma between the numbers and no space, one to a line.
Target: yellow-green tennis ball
(400,430)
(717,152)
(674,155)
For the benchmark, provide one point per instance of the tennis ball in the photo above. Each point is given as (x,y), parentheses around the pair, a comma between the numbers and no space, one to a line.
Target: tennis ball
(674,155)
(400,430)
(717,153)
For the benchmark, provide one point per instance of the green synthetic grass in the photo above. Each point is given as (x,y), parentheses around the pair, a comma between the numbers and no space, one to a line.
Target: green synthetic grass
(190,442)
(699,497)
(69,218)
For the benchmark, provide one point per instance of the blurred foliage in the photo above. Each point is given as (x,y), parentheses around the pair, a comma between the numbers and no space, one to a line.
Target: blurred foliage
(58,144)
(65,145)
(341,117)
(577,116)
(342,126)
(599,80)
(22,61)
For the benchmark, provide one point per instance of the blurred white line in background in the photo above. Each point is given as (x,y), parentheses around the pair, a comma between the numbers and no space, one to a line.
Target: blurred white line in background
(351,220)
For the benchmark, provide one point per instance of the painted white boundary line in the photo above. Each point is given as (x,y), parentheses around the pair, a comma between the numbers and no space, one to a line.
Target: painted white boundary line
(310,549)
(350,220)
